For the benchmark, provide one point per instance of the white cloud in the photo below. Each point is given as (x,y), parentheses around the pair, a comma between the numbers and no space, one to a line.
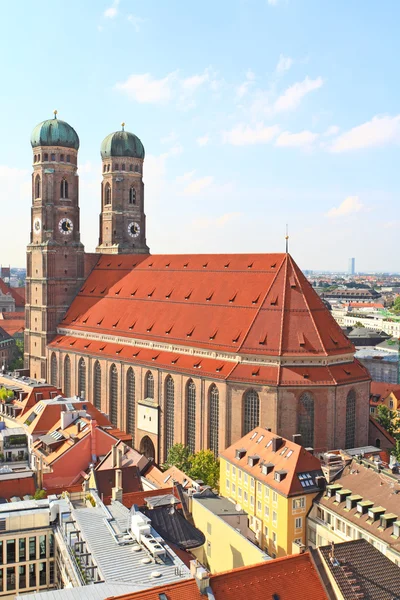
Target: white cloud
(244,87)
(136,21)
(284,64)
(272,2)
(332,130)
(380,131)
(145,89)
(350,205)
(198,185)
(112,11)
(292,97)
(170,138)
(243,135)
(190,84)
(203,140)
(296,140)
(181,179)
(207,222)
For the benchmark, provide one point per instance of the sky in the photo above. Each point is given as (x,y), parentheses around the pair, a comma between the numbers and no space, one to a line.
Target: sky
(253,114)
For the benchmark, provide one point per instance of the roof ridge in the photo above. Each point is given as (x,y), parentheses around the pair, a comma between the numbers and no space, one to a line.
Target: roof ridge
(283,305)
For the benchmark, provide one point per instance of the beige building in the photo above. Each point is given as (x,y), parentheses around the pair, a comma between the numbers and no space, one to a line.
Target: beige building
(26,548)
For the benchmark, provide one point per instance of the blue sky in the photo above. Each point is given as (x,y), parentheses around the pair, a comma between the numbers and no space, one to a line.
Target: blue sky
(253,113)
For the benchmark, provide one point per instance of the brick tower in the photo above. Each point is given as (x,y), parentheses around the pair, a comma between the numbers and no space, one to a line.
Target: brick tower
(55,255)
(122,218)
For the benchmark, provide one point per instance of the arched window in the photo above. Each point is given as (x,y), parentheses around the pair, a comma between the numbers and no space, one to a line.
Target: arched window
(37,187)
(45,157)
(82,378)
(149,386)
(68,158)
(64,188)
(67,376)
(131,167)
(350,420)
(132,195)
(123,167)
(136,169)
(62,157)
(107,194)
(169,413)
(191,416)
(116,167)
(108,168)
(213,419)
(113,395)
(306,420)
(130,404)
(97,385)
(53,370)
(34,158)
(104,168)
(251,411)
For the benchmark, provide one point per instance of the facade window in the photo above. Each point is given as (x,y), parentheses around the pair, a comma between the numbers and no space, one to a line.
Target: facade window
(10,579)
(123,167)
(67,376)
(169,413)
(132,195)
(22,576)
(191,416)
(136,169)
(259,506)
(62,157)
(32,548)
(68,158)
(259,488)
(42,573)
(104,168)
(266,492)
(298,523)
(11,558)
(213,419)
(107,194)
(350,420)
(64,188)
(22,549)
(97,385)
(113,395)
(251,411)
(32,575)
(37,187)
(233,488)
(274,518)
(116,167)
(45,156)
(298,503)
(82,378)
(42,546)
(53,157)
(53,370)
(306,420)
(131,167)
(228,467)
(130,403)
(34,158)
(149,386)
(38,157)
(266,512)
(228,484)
(245,496)
(108,168)
(274,497)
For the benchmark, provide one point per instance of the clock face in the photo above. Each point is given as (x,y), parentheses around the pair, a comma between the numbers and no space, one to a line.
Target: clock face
(134,229)
(65,226)
(37,225)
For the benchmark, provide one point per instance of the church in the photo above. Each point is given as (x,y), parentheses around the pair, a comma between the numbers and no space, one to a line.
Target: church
(197,349)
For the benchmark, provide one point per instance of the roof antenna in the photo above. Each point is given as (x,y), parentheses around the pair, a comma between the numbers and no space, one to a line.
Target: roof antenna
(287,239)
(55,113)
(123,126)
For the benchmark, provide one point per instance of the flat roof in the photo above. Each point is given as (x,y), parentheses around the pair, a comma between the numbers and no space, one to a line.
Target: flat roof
(98,591)
(219,506)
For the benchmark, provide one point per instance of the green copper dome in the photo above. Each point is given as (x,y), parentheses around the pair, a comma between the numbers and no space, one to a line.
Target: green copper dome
(122,143)
(54,132)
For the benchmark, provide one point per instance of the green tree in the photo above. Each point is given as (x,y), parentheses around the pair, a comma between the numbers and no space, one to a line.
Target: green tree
(205,466)
(179,456)
(396,450)
(40,495)
(18,360)
(396,305)
(388,419)
(5,394)
(358,324)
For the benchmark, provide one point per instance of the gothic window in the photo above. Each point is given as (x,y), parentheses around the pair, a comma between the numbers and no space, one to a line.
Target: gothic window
(107,194)
(123,167)
(82,378)
(350,420)
(53,370)
(130,404)
(113,395)
(67,376)
(149,386)
(136,169)
(251,411)
(46,156)
(131,167)
(116,167)
(34,158)
(132,195)
(104,168)
(213,418)
(108,168)
(97,385)
(306,420)
(53,157)
(37,187)
(64,188)
(191,416)
(68,158)
(169,413)
(62,157)
(38,157)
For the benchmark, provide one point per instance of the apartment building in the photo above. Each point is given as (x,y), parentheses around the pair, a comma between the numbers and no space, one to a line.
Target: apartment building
(26,548)
(275,481)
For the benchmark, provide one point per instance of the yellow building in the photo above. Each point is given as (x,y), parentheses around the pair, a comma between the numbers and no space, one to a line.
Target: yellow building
(275,481)
(225,528)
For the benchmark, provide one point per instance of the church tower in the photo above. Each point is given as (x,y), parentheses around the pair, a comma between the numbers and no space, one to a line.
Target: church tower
(55,255)
(122,218)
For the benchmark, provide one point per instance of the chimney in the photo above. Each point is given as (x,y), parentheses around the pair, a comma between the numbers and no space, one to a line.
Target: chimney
(320,481)
(113,456)
(201,576)
(93,439)
(118,478)
(119,458)
(296,438)
(276,443)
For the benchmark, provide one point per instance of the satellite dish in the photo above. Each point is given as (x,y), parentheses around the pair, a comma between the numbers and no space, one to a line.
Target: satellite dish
(238,507)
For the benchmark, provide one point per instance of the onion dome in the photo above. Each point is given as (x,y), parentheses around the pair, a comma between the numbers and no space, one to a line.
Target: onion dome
(122,143)
(54,132)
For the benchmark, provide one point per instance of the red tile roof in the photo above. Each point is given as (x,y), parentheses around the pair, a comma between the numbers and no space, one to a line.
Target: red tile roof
(138,498)
(289,578)
(12,322)
(17,293)
(254,304)
(383,390)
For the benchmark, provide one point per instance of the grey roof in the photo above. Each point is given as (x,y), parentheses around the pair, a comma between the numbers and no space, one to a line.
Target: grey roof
(98,591)
(219,506)
(119,562)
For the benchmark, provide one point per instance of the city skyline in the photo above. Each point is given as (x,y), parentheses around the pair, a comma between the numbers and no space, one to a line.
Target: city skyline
(290,125)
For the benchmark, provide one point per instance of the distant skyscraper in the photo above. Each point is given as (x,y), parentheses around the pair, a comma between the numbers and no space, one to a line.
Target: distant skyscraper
(352,266)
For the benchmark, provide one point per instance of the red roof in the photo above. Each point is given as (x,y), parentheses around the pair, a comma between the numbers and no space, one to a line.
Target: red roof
(12,322)
(17,293)
(138,498)
(254,304)
(17,487)
(383,390)
(289,578)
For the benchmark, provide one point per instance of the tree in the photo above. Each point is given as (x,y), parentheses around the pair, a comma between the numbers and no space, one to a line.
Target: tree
(179,456)
(18,360)
(40,495)
(205,466)
(358,324)
(396,305)
(5,394)
(388,419)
